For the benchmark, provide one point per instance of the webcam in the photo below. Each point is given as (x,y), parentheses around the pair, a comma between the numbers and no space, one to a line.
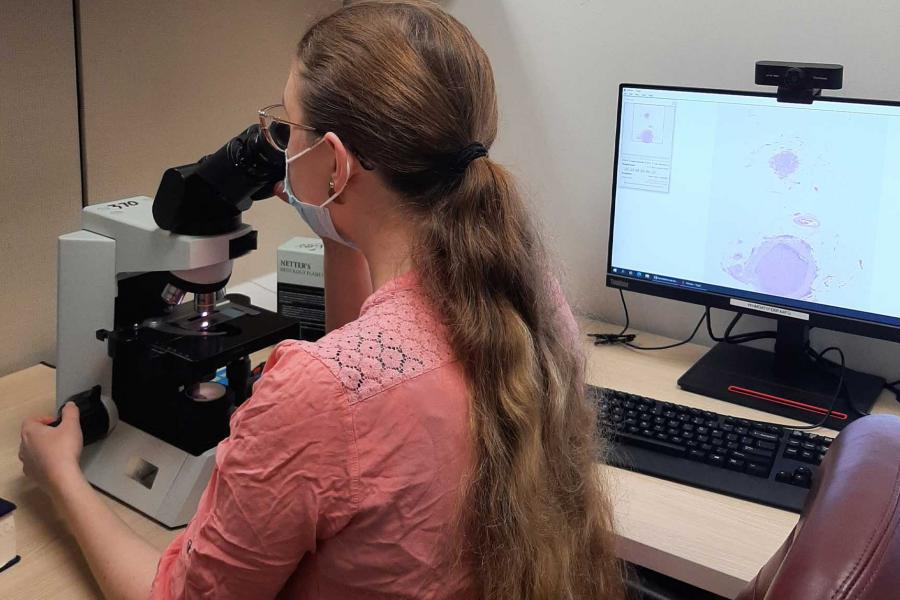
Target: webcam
(799,82)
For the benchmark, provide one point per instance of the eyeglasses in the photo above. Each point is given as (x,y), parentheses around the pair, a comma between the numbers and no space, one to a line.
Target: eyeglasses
(277,130)
(276,127)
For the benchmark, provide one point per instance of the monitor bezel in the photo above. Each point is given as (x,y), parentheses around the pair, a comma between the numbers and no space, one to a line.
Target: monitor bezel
(712,299)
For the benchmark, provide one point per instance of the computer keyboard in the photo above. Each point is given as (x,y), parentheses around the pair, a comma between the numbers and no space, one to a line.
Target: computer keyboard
(753,460)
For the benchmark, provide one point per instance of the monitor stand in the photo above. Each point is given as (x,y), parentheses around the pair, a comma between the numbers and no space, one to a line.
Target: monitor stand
(787,382)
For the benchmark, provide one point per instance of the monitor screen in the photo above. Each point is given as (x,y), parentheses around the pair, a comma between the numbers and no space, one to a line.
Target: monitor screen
(736,196)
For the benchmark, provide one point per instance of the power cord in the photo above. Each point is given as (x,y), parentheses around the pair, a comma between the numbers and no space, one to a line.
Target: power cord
(819,358)
(626,339)
(608,339)
(742,338)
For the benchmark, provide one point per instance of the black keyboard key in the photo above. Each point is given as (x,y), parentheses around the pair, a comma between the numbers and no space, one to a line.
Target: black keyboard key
(783,477)
(791,453)
(758,469)
(766,445)
(800,480)
(740,430)
(652,444)
(716,459)
(731,437)
(761,435)
(768,455)
(734,464)
(807,456)
(675,439)
(695,454)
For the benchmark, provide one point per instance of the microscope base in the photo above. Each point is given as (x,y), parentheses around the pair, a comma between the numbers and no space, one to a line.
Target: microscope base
(155,478)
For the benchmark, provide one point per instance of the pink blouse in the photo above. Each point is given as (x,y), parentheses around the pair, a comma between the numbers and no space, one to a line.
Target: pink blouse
(341,476)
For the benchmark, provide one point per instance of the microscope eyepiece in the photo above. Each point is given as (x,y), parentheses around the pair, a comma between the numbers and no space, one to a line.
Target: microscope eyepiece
(208,197)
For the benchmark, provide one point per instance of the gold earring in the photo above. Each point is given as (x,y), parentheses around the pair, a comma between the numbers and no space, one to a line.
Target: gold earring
(330,188)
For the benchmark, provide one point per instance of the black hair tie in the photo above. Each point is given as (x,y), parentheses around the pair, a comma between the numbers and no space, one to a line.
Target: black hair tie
(461,161)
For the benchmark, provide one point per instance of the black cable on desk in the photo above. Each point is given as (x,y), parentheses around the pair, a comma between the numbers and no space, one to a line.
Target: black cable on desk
(819,356)
(625,338)
(741,338)
(608,339)
(674,345)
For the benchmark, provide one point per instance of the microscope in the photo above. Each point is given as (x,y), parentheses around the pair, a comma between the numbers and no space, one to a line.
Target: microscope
(139,360)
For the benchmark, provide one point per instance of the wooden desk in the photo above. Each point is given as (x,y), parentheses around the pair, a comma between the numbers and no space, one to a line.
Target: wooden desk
(706,539)
(711,541)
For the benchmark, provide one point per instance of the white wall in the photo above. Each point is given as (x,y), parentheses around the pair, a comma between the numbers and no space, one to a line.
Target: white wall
(166,83)
(40,180)
(558,65)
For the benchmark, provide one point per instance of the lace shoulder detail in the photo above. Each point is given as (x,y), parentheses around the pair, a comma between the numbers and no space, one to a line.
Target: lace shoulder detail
(397,337)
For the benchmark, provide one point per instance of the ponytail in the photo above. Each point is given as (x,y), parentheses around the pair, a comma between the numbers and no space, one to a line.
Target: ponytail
(533,527)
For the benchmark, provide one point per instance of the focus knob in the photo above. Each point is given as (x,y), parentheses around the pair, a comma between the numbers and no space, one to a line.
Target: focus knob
(97,414)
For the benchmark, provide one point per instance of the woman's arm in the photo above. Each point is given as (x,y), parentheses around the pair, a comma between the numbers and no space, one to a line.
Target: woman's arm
(347,284)
(122,562)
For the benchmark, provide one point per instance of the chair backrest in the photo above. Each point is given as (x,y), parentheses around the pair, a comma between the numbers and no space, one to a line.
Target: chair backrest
(847,542)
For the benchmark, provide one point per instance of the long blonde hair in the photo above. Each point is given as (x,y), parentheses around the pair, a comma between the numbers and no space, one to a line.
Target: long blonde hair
(407,87)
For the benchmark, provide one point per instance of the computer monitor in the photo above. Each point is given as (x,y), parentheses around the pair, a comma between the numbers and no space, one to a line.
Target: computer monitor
(734,200)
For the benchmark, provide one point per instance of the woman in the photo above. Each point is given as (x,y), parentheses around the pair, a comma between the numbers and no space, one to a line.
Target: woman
(437,442)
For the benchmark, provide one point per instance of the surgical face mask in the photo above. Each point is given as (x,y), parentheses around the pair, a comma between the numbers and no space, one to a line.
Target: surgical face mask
(316,215)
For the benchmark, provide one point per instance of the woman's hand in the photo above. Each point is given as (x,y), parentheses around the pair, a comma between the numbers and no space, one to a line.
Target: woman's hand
(50,454)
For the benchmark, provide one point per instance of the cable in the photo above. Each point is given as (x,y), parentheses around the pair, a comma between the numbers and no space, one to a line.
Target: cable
(837,393)
(742,338)
(605,339)
(676,344)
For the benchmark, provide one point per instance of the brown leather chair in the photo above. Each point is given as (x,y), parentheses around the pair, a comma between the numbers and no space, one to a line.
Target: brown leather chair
(847,542)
